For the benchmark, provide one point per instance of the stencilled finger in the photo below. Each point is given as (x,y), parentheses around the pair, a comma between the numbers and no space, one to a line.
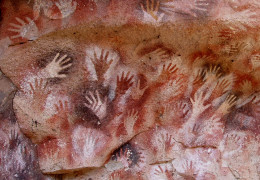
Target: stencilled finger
(16,25)
(56,57)
(66,66)
(62,58)
(127,75)
(101,55)
(29,20)
(90,101)
(15,30)
(65,61)
(20,21)
(156,9)
(106,56)
(15,36)
(61,75)
(98,97)
(93,98)
(231,100)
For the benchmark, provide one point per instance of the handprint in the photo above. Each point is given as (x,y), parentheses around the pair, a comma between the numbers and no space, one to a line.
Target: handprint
(137,92)
(124,82)
(115,176)
(25,30)
(246,87)
(96,105)
(181,110)
(167,71)
(164,142)
(158,54)
(151,12)
(62,108)
(255,60)
(124,156)
(38,93)
(233,142)
(168,141)
(194,8)
(163,173)
(102,63)
(189,170)
(240,20)
(170,68)
(233,49)
(247,93)
(170,89)
(196,128)
(61,113)
(201,7)
(212,74)
(227,34)
(25,153)
(42,4)
(66,7)
(198,103)
(141,159)
(39,87)
(36,8)
(212,124)
(90,144)
(175,87)
(154,58)
(57,65)
(227,104)
(198,75)
(167,6)
(159,170)
(14,140)
(130,120)
(167,114)
(224,84)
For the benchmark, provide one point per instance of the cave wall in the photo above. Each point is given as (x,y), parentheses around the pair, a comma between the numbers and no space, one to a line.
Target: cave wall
(136,89)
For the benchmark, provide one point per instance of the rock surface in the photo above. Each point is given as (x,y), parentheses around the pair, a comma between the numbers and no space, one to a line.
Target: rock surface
(130,89)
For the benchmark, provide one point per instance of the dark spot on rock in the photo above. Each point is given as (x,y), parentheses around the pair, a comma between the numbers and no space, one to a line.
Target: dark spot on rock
(53,81)
(133,155)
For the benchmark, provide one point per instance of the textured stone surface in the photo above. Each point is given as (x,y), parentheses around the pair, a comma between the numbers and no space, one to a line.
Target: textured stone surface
(130,89)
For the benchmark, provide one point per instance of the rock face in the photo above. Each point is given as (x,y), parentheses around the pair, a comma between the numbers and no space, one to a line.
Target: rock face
(130,89)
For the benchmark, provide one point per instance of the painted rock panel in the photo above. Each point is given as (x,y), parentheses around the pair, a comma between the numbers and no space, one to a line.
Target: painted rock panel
(129,89)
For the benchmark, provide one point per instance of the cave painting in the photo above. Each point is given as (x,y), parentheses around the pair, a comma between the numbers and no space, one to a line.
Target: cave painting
(154,89)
